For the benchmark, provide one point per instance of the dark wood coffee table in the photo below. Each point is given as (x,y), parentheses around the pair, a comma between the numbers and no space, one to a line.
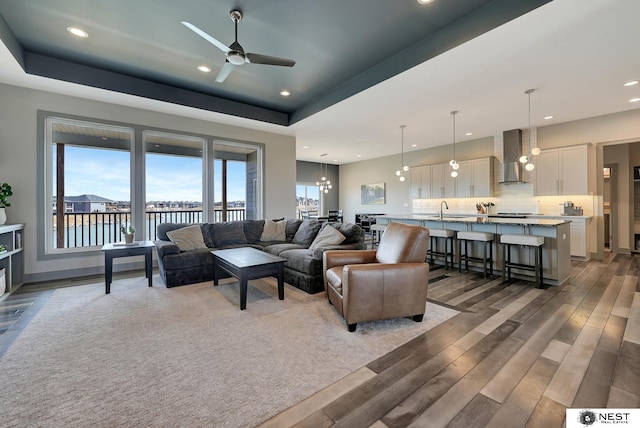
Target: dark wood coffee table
(248,263)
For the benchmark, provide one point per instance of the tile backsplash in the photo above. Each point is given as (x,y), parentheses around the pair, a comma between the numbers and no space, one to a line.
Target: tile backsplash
(509,198)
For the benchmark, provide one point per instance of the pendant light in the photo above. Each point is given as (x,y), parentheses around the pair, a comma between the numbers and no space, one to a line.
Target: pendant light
(452,162)
(526,159)
(325,185)
(403,167)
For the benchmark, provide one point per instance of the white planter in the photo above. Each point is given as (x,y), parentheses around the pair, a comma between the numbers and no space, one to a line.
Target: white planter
(3,216)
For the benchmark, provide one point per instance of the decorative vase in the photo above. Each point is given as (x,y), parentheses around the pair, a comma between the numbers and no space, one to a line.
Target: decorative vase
(128,238)
(3,216)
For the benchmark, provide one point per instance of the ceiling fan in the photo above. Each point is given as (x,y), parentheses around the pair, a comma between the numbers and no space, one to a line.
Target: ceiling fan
(235,53)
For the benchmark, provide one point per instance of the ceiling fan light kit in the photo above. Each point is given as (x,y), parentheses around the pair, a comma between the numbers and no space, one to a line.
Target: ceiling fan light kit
(235,54)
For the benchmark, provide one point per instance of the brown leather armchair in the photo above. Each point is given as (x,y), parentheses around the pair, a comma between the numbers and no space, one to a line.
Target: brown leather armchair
(390,282)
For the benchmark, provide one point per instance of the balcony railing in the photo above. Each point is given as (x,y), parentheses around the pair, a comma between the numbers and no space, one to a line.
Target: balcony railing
(99,228)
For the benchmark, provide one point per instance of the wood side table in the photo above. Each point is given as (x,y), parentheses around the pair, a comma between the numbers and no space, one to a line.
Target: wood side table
(139,248)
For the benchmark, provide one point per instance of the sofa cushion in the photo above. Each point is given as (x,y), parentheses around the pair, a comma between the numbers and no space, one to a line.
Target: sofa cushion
(327,236)
(278,248)
(187,238)
(306,233)
(253,230)
(302,260)
(227,233)
(293,224)
(274,230)
(353,233)
(190,259)
(163,228)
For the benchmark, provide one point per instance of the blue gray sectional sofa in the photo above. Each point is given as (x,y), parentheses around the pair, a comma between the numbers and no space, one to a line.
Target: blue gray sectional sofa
(303,268)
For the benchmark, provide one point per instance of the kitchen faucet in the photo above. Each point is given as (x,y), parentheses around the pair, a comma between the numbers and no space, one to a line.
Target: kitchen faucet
(446,206)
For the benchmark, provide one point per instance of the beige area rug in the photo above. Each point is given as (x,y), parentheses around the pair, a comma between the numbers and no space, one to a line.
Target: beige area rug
(185,356)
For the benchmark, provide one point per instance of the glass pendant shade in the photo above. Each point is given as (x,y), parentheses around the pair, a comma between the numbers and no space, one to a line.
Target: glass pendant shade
(453,163)
(524,159)
(529,167)
(535,151)
(403,167)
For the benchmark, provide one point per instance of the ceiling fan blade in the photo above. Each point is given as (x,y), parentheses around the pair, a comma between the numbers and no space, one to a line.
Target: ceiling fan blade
(253,58)
(224,71)
(224,48)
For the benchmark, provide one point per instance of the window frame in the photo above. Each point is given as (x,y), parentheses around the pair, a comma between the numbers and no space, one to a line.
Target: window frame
(44,189)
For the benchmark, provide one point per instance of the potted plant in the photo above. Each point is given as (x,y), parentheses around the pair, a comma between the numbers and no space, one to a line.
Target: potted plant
(5,192)
(128,233)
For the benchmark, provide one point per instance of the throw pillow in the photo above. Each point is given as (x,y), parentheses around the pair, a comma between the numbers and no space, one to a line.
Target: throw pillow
(327,237)
(306,233)
(274,230)
(227,233)
(253,230)
(188,238)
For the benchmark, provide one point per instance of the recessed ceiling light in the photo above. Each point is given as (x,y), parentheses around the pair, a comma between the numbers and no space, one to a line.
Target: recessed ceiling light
(468,134)
(425,1)
(285,93)
(204,69)
(634,100)
(78,32)
(631,83)
(358,156)
(335,160)
(414,145)
(305,147)
(548,117)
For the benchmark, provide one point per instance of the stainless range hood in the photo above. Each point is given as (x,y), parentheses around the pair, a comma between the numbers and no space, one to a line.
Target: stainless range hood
(512,150)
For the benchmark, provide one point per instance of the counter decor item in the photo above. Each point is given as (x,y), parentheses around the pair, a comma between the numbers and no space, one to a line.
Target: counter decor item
(5,192)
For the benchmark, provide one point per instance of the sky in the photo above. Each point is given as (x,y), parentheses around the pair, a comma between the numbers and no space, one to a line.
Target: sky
(169,178)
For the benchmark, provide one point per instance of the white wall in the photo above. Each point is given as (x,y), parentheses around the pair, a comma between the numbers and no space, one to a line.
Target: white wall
(18,149)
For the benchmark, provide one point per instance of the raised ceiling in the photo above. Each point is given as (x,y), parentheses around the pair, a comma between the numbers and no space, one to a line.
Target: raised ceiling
(140,47)
(363,67)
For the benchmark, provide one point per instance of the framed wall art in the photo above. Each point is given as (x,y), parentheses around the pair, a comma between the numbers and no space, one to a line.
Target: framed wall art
(372,194)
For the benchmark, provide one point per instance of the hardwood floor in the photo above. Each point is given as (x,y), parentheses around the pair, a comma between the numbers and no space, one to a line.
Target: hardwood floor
(515,356)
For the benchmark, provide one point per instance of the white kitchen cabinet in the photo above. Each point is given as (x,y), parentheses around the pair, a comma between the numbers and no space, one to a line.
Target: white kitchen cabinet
(442,184)
(420,182)
(580,238)
(474,178)
(579,234)
(562,171)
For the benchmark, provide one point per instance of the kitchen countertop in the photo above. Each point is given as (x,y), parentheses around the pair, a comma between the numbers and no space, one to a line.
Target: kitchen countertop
(480,218)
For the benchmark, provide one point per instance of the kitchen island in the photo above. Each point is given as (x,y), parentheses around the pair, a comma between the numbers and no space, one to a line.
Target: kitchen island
(556,256)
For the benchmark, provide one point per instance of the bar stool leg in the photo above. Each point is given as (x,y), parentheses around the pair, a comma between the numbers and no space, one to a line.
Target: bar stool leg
(460,255)
(466,255)
(490,243)
(484,263)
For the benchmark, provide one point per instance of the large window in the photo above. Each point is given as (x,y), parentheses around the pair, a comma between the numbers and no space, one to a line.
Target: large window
(99,177)
(308,198)
(89,176)
(173,179)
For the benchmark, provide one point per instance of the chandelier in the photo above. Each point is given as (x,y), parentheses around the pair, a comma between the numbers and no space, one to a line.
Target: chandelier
(325,185)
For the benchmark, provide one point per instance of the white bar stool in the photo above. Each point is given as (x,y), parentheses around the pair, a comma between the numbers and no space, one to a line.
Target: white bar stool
(376,233)
(447,254)
(522,241)
(469,237)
